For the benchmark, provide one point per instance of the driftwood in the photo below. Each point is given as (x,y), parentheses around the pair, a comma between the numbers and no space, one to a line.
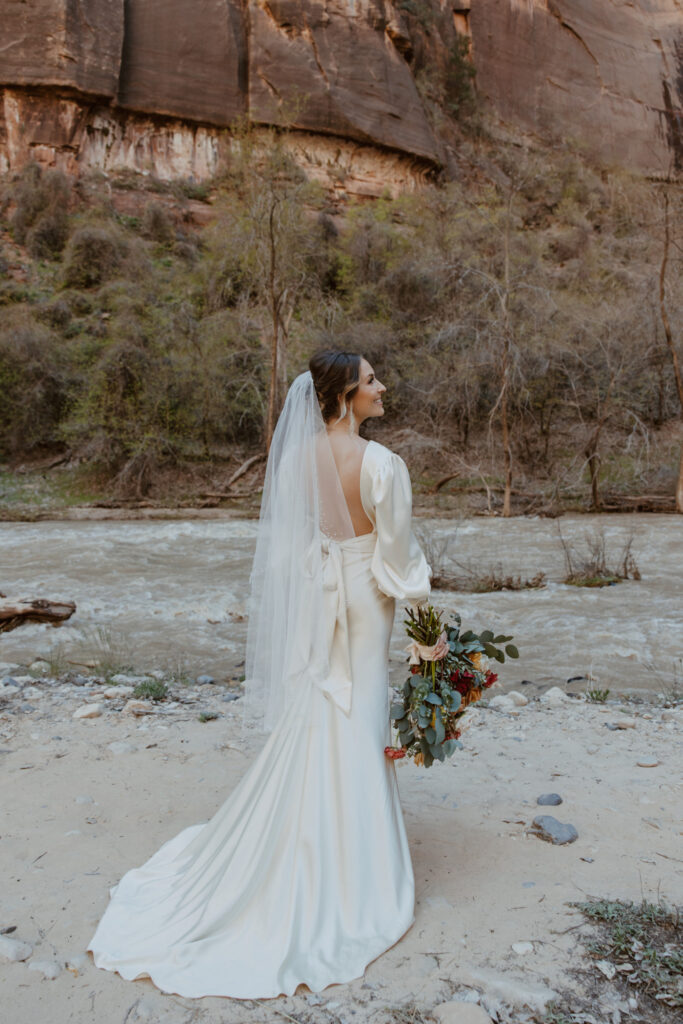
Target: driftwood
(246,466)
(16,613)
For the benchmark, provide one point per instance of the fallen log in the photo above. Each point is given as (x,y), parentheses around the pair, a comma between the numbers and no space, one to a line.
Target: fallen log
(16,613)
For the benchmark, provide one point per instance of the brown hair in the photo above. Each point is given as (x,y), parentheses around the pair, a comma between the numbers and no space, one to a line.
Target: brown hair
(335,374)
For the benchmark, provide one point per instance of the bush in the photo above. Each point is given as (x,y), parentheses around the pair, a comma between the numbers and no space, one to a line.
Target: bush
(32,385)
(94,255)
(40,219)
(157,224)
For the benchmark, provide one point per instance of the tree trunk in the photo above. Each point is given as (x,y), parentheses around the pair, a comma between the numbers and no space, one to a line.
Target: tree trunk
(593,457)
(670,341)
(507,453)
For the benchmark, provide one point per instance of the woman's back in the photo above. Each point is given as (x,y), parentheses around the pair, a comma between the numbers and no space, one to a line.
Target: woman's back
(348,456)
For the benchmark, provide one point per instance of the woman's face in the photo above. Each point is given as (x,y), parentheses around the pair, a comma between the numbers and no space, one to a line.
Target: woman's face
(367,400)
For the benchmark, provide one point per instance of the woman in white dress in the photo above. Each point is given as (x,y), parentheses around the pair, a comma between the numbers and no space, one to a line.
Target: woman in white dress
(304,874)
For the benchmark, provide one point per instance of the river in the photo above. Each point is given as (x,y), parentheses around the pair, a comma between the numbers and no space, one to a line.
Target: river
(171,594)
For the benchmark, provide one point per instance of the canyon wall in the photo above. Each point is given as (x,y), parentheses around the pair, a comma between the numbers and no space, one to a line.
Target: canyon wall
(154,84)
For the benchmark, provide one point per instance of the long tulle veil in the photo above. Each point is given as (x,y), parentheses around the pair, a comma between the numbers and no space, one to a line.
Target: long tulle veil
(302,505)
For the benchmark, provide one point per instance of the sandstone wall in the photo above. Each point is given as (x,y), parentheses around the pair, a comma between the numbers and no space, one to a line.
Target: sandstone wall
(606,73)
(151,84)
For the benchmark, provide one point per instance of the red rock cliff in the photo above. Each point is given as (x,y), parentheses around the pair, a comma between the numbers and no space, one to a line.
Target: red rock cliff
(151,84)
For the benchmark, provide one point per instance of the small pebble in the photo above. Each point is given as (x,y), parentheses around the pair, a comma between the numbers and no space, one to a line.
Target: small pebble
(48,968)
(204,680)
(651,762)
(554,697)
(625,723)
(121,747)
(138,707)
(549,799)
(88,711)
(553,831)
(14,949)
(117,691)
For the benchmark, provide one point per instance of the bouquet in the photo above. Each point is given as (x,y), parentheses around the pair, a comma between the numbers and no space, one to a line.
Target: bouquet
(449,671)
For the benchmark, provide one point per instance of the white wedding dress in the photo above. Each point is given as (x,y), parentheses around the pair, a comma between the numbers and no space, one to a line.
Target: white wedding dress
(304,874)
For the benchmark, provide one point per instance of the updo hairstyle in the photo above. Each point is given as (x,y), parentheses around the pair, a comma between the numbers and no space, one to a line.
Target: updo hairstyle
(335,374)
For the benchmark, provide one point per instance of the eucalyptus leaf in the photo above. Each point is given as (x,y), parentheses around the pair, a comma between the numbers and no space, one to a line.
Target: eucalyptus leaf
(440,730)
(397,710)
(433,698)
(511,651)
(430,734)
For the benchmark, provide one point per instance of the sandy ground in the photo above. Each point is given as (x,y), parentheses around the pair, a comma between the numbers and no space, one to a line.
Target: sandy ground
(76,814)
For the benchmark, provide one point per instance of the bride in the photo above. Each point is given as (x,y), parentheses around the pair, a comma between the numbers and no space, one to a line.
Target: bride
(304,874)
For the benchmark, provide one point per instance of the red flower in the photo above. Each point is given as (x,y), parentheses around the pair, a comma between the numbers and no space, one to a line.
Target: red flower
(394,752)
(414,669)
(455,676)
(490,679)
(462,687)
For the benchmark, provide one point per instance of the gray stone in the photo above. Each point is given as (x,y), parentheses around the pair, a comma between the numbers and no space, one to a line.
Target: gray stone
(553,831)
(231,696)
(554,697)
(112,692)
(549,799)
(205,680)
(14,949)
(48,968)
(121,747)
(88,711)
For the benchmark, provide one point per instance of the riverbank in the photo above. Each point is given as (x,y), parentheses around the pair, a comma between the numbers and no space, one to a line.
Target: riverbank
(87,798)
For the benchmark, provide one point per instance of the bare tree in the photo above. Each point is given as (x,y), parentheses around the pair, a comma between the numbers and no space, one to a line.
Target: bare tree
(669,337)
(267,239)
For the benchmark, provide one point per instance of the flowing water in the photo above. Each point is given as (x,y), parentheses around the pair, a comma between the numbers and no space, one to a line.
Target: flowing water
(172,595)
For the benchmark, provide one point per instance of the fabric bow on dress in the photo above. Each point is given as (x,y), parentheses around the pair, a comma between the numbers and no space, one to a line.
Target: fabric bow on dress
(338,685)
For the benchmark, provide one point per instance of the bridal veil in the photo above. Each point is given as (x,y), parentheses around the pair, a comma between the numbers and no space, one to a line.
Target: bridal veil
(303,508)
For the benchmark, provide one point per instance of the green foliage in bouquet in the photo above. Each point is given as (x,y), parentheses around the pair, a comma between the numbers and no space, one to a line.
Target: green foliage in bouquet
(449,670)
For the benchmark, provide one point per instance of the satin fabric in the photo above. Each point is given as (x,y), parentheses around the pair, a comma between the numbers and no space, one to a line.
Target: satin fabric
(304,874)
(398,562)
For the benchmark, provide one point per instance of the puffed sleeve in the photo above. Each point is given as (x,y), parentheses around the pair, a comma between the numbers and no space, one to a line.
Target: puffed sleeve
(399,564)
